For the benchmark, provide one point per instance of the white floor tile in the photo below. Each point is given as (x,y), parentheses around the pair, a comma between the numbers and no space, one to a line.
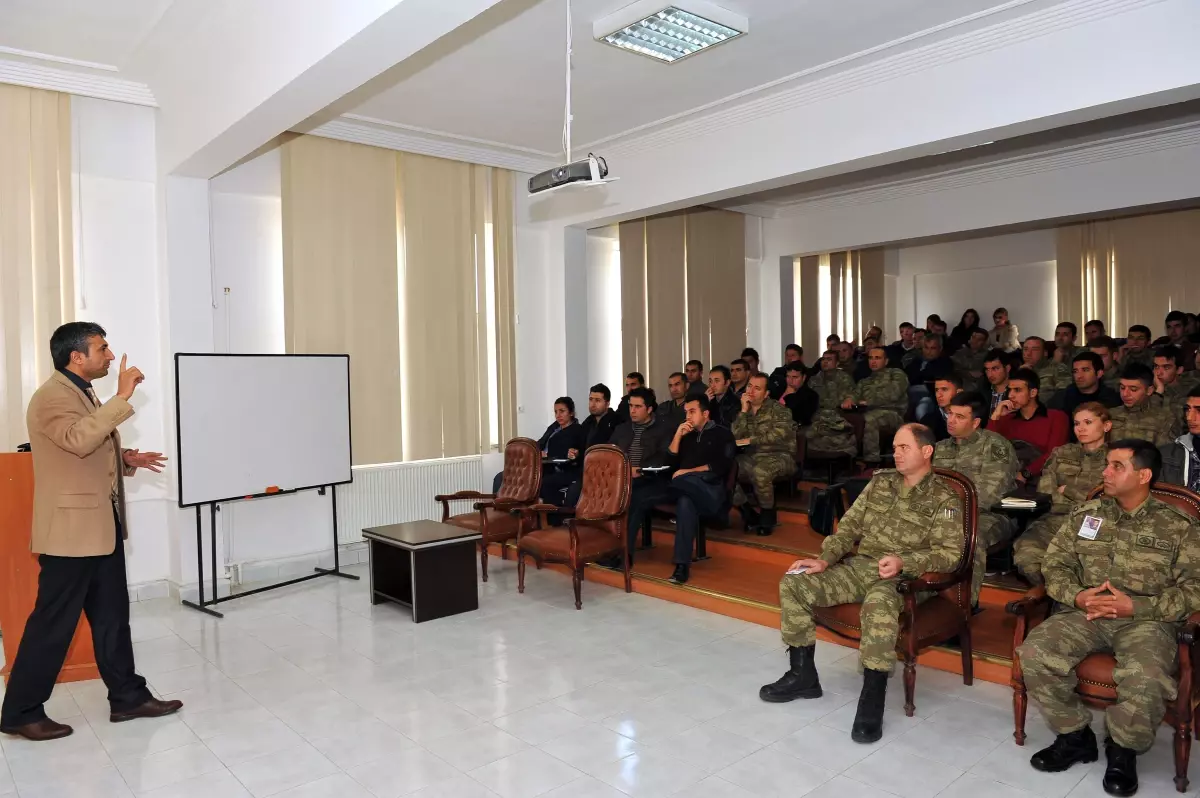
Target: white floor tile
(402,774)
(820,745)
(649,722)
(457,787)
(540,724)
(168,767)
(282,770)
(716,787)
(475,747)
(218,783)
(525,775)
(362,743)
(145,736)
(903,773)
(1008,764)
(843,787)
(209,723)
(591,747)
(651,773)
(586,787)
(766,723)
(773,773)
(339,785)
(707,746)
(253,740)
(942,743)
(970,786)
(106,783)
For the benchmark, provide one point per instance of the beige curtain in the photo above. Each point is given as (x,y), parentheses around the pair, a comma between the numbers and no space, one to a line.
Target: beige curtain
(37,287)
(405,262)
(1129,271)
(716,285)
(868,281)
(635,353)
(666,264)
(806,274)
(854,300)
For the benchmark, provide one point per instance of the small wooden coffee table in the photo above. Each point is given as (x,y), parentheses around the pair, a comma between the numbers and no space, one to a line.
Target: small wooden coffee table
(427,566)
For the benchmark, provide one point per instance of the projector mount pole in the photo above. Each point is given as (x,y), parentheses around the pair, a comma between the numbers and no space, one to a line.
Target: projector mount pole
(567,113)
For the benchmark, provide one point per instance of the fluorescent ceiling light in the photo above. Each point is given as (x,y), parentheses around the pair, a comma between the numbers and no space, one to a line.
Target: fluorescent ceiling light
(672,32)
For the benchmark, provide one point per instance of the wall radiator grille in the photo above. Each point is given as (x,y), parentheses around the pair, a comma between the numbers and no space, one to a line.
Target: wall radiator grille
(396,492)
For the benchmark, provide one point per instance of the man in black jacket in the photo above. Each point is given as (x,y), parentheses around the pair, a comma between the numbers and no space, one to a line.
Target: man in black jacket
(725,405)
(797,397)
(633,379)
(1181,457)
(702,452)
(601,421)
(922,373)
(671,412)
(777,383)
(944,389)
(1087,375)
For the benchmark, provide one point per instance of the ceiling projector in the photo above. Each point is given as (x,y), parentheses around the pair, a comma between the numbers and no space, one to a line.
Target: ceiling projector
(591,171)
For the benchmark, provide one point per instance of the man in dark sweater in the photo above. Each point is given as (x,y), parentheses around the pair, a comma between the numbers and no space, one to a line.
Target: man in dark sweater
(1181,457)
(671,411)
(1087,375)
(724,404)
(797,397)
(702,452)
(777,384)
(633,379)
(601,421)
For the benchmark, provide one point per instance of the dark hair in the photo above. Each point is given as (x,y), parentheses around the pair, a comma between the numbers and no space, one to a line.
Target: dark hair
(923,434)
(695,363)
(678,374)
(1089,357)
(932,336)
(999,310)
(636,375)
(799,350)
(1194,393)
(963,318)
(951,377)
(72,337)
(750,352)
(601,389)
(1140,372)
(1027,376)
(568,403)
(800,367)
(1172,353)
(878,346)
(739,362)
(907,324)
(977,331)
(1145,455)
(1175,315)
(1036,338)
(1094,323)
(833,337)
(723,371)
(934,318)
(760,375)
(701,400)
(1140,328)
(996,355)
(646,395)
(974,400)
(1105,341)
(1068,325)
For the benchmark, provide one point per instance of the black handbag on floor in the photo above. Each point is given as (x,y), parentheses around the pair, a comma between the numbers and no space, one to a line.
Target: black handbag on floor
(824,508)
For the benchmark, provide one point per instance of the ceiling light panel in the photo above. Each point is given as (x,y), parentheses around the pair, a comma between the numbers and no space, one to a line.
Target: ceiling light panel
(672,32)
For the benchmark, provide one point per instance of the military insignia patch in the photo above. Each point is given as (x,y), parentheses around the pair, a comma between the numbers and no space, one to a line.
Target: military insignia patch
(1163,545)
(951,513)
(1145,540)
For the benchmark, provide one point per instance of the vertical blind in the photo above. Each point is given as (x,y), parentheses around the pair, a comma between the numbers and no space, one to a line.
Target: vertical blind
(37,287)
(405,262)
(683,291)
(837,292)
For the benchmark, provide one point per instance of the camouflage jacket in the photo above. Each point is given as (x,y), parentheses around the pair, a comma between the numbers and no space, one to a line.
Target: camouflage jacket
(1143,421)
(1152,554)
(1053,376)
(832,388)
(922,525)
(1069,353)
(968,364)
(770,430)
(1173,400)
(886,389)
(1078,470)
(1143,356)
(987,459)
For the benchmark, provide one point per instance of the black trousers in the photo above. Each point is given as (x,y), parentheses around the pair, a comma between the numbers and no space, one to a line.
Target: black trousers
(66,587)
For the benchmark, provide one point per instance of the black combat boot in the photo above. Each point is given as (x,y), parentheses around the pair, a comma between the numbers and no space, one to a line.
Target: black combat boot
(750,517)
(868,721)
(1120,777)
(1066,750)
(767,521)
(799,682)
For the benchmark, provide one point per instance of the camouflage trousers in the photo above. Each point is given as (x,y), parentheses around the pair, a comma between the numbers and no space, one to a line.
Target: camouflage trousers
(760,471)
(878,420)
(853,580)
(1030,548)
(1146,654)
(830,435)
(992,530)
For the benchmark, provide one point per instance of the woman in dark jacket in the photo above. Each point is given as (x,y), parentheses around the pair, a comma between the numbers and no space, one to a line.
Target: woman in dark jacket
(559,438)
(961,335)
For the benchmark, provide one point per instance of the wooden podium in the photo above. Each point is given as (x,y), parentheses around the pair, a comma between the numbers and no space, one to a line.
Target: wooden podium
(19,572)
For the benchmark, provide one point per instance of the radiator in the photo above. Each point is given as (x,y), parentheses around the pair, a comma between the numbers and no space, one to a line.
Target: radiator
(395,492)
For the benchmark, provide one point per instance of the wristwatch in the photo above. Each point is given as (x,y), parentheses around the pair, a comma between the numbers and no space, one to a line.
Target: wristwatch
(1027,474)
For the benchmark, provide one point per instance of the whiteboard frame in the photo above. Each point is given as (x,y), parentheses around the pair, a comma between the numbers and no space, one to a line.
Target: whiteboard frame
(179,431)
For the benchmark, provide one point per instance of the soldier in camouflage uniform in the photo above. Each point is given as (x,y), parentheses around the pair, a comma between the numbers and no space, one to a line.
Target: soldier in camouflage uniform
(765,431)
(968,361)
(1053,376)
(989,461)
(1138,417)
(1126,570)
(1071,473)
(883,397)
(829,433)
(1137,348)
(1065,348)
(906,522)
(1171,385)
(912,354)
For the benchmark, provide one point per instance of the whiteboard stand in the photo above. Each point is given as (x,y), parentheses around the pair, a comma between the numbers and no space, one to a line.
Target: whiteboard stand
(206,605)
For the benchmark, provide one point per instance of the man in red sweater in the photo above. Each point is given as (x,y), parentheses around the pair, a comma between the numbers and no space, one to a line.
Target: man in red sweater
(1022,417)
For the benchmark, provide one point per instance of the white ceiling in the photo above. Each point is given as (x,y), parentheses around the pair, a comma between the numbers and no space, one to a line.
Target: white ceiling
(506,84)
(99,31)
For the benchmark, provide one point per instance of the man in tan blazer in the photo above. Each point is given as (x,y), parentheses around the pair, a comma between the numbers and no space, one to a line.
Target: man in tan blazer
(78,528)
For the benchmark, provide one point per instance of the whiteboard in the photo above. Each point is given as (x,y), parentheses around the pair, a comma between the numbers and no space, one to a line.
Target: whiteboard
(248,424)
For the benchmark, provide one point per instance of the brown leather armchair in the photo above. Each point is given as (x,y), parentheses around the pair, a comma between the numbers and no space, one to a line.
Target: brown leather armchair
(491,516)
(936,619)
(1097,687)
(598,525)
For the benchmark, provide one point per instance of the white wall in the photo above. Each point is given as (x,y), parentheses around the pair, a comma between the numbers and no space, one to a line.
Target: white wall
(604,309)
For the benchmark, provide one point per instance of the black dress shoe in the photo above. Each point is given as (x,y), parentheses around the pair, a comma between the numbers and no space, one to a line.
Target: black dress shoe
(768,520)
(1120,777)
(153,708)
(1066,750)
(39,731)
(680,575)
(749,517)
(868,720)
(800,681)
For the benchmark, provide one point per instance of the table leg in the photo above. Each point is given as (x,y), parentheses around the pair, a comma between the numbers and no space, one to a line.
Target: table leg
(444,581)
(391,574)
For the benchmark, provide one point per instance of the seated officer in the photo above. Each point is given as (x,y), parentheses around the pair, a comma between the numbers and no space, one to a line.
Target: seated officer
(724,402)
(830,434)
(797,397)
(1092,330)
(1137,417)
(1023,417)
(766,435)
(968,361)
(1171,384)
(1137,347)
(989,461)
(1126,571)
(1106,348)
(1181,459)
(1176,329)
(601,421)
(739,376)
(702,452)
(918,350)
(1070,474)
(777,383)
(898,349)
(944,390)
(906,523)
(1065,348)
(883,398)
(1053,375)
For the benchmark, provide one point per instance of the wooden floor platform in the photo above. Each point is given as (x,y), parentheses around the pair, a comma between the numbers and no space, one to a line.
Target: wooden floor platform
(741,580)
